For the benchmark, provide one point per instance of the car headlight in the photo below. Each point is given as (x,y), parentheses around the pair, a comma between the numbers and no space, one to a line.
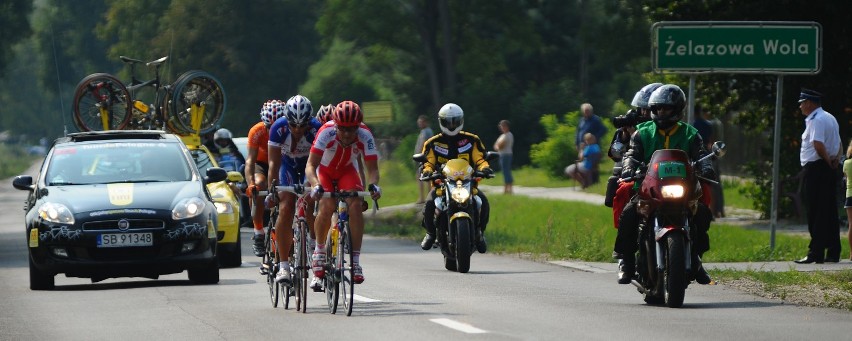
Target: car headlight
(672,191)
(460,194)
(188,208)
(223,207)
(55,213)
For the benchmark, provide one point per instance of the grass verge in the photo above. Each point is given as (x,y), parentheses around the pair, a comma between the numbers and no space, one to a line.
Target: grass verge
(827,289)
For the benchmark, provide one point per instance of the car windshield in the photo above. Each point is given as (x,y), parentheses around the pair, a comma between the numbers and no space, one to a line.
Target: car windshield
(125,161)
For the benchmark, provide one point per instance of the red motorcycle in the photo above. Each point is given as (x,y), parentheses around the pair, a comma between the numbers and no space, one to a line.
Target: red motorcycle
(669,192)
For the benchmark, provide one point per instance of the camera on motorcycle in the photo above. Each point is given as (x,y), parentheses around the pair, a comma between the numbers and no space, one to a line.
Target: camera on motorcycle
(719,148)
(631,118)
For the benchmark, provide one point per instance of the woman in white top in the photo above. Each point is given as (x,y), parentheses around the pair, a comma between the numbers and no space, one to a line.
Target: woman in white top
(503,145)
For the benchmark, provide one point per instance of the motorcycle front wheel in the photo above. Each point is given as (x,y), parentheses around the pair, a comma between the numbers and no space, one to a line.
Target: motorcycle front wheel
(674,275)
(462,245)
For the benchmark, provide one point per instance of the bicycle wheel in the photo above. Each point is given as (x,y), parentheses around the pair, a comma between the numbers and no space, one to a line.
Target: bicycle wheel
(347,274)
(331,281)
(271,260)
(98,94)
(287,290)
(201,89)
(301,269)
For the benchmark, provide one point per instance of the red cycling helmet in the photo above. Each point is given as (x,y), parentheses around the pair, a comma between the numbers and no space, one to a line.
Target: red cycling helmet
(347,114)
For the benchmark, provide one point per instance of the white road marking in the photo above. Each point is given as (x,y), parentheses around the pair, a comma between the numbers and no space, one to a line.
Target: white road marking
(582,266)
(462,327)
(360,298)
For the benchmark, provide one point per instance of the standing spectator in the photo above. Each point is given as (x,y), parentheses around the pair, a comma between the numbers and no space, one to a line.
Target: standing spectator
(425,134)
(587,160)
(819,155)
(503,145)
(718,204)
(847,170)
(589,123)
(704,127)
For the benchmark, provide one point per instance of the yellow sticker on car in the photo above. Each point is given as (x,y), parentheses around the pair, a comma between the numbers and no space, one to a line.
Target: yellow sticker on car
(120,194)
(34,238)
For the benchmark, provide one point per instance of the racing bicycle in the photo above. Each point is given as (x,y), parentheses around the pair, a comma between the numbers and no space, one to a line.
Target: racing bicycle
(102,102)
(271,259)
(298,257)
(339,273)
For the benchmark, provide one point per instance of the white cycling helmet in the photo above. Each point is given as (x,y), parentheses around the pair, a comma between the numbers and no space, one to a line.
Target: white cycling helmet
(222,134)
(451,119)
(299,110)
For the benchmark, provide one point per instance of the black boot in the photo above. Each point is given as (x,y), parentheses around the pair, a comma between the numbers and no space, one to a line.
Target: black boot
(428,224)
(626,269)
(428,241)
(701,275)
(481,245)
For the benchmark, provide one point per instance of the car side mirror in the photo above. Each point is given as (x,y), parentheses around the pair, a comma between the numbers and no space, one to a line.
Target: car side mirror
(23,182)
(215,174)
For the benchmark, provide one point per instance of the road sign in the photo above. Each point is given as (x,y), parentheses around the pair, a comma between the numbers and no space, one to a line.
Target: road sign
(737,47)
(377,112)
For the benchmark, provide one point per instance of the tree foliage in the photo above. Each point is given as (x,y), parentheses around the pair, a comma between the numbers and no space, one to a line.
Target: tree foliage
(15,27)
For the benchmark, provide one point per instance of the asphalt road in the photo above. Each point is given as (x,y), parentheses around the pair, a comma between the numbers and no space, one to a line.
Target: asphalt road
(407,295)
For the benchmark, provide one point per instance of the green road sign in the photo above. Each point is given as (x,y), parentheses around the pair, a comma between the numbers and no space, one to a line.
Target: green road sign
(737,47)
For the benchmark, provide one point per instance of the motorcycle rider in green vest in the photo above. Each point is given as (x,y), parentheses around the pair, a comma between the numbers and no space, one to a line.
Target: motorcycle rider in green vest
(664,131)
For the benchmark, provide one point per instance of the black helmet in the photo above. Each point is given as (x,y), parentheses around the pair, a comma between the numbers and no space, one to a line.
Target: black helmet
(640,100)
(671,96)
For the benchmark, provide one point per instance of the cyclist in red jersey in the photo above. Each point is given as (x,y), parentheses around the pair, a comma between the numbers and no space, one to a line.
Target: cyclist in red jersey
(336,146)
(257,165)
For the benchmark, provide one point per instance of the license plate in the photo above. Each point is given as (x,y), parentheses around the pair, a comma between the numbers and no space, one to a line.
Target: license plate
(125,239)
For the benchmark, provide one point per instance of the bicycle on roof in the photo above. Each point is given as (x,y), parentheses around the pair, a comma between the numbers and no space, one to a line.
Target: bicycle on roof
(102,102)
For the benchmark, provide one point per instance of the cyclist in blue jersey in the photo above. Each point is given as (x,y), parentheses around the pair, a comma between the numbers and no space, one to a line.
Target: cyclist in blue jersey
(290,140)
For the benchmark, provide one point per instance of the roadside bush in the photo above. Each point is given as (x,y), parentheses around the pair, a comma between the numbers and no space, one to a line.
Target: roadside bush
(557,151)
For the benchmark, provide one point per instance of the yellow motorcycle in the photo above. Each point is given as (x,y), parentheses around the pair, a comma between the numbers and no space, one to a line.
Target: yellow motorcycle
(457,210)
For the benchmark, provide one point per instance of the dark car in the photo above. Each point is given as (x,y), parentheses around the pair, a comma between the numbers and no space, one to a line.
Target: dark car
(120,204)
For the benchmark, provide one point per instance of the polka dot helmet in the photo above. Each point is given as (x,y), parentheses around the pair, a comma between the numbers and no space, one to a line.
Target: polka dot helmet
(271,111)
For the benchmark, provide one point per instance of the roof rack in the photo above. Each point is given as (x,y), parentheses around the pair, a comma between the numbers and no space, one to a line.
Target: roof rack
(117,134)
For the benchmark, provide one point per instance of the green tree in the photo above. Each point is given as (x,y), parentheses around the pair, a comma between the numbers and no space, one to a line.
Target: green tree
(14,27)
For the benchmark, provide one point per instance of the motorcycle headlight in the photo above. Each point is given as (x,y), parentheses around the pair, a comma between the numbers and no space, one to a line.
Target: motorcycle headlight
(55,213)
(672,191)
(188,208)
(223,207)
(460,194)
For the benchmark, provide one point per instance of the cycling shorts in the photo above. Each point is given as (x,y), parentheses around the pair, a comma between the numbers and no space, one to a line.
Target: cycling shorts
(347,179)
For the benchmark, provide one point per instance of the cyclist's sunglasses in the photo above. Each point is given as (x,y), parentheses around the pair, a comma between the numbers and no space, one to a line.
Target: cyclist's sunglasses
(347,129)
(297,126)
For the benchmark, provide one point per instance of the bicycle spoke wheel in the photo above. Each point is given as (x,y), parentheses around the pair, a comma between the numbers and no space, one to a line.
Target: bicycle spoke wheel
(203,90)
(347,273)
(101,102)
(271,261)
(331,282)
(301,272)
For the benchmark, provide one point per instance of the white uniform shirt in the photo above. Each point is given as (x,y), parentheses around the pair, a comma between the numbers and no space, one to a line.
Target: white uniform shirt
(819,126)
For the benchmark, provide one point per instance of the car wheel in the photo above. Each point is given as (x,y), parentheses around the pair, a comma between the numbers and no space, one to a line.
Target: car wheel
(205,275)
(230,256)
(40,280)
